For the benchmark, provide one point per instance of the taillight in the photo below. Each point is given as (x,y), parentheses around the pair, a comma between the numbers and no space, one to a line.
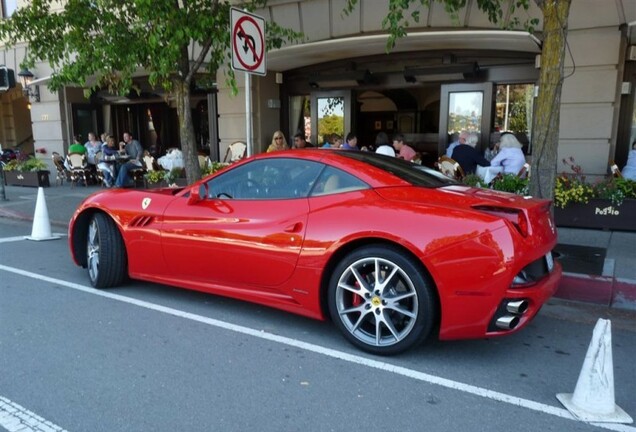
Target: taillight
(514,216)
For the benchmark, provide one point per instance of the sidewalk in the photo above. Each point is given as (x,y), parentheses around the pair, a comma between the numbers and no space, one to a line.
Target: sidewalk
(599,266)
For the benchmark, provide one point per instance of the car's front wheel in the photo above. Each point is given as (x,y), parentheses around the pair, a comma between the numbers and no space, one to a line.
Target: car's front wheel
(106,252)
(380,300)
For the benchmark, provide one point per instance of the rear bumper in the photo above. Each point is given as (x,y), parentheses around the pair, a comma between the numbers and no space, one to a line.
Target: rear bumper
(535,295)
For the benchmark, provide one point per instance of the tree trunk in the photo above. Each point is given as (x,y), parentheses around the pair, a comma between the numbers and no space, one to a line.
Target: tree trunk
(547,113)
(181,91)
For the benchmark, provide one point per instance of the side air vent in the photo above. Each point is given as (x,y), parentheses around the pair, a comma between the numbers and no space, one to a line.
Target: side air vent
(141,221)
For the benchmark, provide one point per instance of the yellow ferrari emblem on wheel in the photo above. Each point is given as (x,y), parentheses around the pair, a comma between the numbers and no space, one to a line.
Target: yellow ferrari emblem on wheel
(375,301)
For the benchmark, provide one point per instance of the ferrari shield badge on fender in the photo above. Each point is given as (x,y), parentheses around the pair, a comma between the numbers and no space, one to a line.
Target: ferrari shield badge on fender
(145,203)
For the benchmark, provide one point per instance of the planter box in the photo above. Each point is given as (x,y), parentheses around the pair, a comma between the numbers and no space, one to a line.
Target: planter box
(598,214)
(29,178)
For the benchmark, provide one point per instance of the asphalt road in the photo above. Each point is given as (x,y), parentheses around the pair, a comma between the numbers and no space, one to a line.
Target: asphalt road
(147,357)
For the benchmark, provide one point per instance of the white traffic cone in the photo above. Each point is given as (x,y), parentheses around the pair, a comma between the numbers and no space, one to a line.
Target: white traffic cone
(593,397)
(41,225)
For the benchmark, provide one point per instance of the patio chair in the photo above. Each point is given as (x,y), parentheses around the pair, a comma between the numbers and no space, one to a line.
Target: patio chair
(450,168)
(524,172)
(204,161)
(79,170)
(616,172)
(149,162)
(236,151)
(60,170)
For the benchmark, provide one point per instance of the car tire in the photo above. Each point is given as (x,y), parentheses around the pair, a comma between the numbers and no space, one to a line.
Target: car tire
(380,300)
(105,252)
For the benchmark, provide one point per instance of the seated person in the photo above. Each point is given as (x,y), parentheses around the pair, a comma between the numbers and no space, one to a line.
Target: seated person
(351,142)
(133,149)
(403,150)
(327,140)
(382,139)
(493,148)
(467,156)
(510,155)
(278,142)
(455,141)
(76,147)
(107,164)
(629,171)
(385,149)
(92,146)
(301,142)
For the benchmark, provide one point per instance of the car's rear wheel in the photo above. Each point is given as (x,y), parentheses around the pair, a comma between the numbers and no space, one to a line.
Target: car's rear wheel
(105,252)
(380,300)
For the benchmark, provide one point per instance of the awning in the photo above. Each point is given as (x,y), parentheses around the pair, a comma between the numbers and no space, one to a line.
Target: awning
(296,56)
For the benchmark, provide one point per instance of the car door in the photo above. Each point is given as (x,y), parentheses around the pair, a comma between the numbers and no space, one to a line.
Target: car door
(247,230)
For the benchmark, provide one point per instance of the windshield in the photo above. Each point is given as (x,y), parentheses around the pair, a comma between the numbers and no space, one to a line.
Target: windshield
(415,174)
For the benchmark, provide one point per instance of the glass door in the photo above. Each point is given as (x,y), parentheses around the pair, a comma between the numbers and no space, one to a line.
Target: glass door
(465,107)
(330,114)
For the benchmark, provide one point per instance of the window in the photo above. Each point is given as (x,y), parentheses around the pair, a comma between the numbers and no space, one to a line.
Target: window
(280,178)
(513,110)
(333,181)
(465,111)
(330,119)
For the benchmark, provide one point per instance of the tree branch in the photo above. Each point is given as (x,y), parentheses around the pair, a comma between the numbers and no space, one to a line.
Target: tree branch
(204,49)
(197,63)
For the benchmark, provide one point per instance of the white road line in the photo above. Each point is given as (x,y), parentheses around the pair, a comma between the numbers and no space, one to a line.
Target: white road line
(374,364)
(20,238)
(16,418)
(12,239)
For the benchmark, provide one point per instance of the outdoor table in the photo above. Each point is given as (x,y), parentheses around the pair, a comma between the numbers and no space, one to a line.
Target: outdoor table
(487,174)
(169,163)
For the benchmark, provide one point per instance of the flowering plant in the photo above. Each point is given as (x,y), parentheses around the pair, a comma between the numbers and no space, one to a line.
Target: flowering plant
(572,187)
(154,176)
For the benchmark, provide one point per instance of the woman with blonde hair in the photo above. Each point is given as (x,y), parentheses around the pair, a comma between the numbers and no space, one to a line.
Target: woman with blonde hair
(278,142)
(510,155)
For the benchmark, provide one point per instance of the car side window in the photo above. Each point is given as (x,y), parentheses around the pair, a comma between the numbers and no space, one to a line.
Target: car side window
(333,181)
(276,178)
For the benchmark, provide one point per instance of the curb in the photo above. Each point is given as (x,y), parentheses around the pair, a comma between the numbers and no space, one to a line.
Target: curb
(603,290)
(10,214)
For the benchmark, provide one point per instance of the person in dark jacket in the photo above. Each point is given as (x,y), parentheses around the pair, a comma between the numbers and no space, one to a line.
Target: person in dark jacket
(467,156)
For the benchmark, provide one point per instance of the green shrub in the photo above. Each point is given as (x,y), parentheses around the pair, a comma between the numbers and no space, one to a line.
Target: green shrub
(511,183)
(474,180)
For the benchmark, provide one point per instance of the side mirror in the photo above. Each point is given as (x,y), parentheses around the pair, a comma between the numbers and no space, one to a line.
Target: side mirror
(198,192)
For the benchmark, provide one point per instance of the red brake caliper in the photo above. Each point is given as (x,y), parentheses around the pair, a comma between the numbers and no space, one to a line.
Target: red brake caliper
(356,300)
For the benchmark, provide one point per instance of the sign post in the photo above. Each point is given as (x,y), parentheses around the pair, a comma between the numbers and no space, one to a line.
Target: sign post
(248,56)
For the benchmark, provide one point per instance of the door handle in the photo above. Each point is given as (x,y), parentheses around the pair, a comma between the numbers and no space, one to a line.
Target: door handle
(294,228)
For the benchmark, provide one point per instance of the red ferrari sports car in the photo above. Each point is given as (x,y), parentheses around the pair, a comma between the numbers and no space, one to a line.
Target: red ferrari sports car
(389,250)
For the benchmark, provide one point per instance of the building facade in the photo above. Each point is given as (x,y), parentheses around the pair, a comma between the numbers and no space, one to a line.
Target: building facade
(448,74)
